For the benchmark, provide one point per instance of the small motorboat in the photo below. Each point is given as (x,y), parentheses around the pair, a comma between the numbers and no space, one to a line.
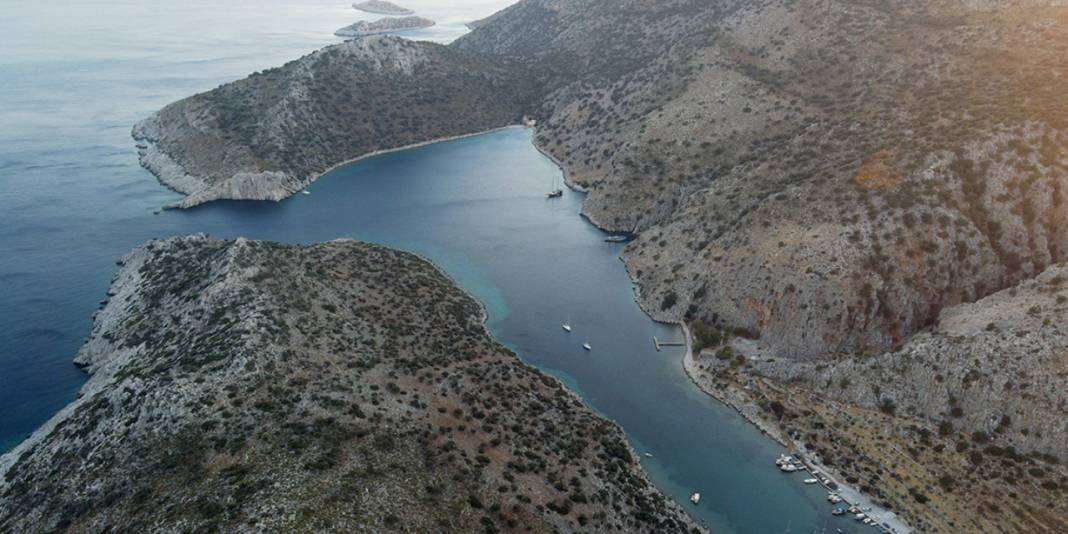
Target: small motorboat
(648,455)
(788,468)
(838,511)
(566,327)
(616,239)
(834,498)
(306,192)
(695,498)
(587,346)
(811,481)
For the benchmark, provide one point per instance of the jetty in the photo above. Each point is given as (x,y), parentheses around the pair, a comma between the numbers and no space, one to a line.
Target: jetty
(657,343)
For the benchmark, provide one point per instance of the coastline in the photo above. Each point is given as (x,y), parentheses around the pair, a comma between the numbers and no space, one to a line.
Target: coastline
(177,179)
(745,406)
(413,145)
(484,313)
(740,403)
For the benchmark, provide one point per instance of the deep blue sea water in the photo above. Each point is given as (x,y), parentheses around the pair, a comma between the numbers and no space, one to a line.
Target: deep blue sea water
(73,200)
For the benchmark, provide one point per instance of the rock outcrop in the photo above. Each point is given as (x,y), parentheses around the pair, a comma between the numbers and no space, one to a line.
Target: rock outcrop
(241,386)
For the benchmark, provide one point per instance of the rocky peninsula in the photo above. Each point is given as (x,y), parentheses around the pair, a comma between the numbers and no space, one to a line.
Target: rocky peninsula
(382,7)
(820,179)
(385,25)
(268,136)
(243,386)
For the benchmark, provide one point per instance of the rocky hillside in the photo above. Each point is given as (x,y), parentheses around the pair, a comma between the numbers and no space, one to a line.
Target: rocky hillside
(830,181)
(997,367)
(267,136)
(245,386)
(961,430)
(823,175)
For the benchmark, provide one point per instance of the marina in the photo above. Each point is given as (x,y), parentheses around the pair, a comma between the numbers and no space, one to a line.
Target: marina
(852,506)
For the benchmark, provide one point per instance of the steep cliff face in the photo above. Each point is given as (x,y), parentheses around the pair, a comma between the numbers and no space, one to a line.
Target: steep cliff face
(998,366)
(245,386)
(267,136)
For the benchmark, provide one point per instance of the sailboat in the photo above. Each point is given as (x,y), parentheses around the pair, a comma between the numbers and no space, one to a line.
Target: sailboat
(567,326)
(587,346)
(555,192)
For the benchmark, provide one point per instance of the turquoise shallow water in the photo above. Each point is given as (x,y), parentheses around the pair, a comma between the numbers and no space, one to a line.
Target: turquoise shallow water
(73,200)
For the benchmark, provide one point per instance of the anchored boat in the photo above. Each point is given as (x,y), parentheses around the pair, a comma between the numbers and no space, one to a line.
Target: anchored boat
(556,191)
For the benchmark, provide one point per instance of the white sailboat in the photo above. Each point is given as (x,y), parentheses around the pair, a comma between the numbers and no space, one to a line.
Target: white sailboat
(555,192)
(567,326)
(587,346)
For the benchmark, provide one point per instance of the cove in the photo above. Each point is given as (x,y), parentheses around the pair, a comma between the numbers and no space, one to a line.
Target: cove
(73,200)
(477,207)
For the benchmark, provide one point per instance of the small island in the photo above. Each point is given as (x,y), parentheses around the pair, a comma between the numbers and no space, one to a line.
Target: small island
(381,7)
(386,25)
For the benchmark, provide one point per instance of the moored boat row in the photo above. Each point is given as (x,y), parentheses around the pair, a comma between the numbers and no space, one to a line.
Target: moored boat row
(790,463)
